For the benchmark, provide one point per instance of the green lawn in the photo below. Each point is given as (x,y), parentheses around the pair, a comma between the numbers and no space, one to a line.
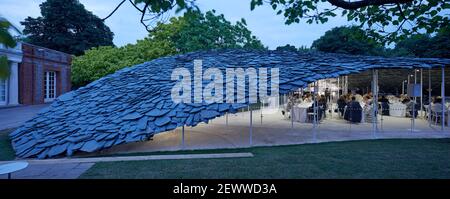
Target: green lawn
(397,158)
(6,151)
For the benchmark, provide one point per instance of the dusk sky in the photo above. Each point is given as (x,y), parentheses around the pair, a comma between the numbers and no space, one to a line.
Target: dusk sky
(263,22)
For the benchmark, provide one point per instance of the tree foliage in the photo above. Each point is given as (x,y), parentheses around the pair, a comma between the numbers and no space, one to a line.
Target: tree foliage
(197,31)
(154,10)
(424,45)
(191,32)
(349,40)
(7,40)
(392,20)
(388,20)
(287,47)
(65,25)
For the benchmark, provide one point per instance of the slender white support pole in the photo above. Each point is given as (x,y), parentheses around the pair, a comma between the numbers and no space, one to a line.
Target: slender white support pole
(316,92)
(251,126)
(403,87)
(421,93)
(443,99)
(292,117)
(374,102)
(338,85)
(316,112)
(413,124)
(429,97)
(226,119)
(314,106)
(408,81)
(413,121)
(182,137)
(261,109)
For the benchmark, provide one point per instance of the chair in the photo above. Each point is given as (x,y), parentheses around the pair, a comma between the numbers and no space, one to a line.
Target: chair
(436,113)
(368,114)
(311,114)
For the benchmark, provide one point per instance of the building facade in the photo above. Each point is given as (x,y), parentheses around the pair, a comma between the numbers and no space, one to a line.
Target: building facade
(9,87)
(38,75)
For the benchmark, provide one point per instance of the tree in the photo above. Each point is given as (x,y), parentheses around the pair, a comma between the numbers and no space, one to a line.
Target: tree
(287,47)
(65,25)
(424,45)
(153,10)
(8,41)
(191,32)
(378,16)
(197,31)
(350,40)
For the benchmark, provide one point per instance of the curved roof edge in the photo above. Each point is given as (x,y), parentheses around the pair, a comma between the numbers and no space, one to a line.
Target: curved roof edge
(134,103)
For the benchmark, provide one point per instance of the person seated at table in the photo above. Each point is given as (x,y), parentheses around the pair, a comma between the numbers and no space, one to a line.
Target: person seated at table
(348,98)
(307,98)
(341,105)
(310,110)
(409,107)
(367,108)
(327,94)
(323,105)
(437,100)
(288,107)
(353,112)
(384,105)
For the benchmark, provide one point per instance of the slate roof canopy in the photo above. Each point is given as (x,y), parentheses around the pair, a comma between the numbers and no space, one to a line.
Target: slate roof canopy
(134,103)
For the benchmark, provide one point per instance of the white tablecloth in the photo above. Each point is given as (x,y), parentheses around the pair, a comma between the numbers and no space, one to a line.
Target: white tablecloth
(299,112)
(397,109)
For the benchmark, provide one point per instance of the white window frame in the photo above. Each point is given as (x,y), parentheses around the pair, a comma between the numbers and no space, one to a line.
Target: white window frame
(48,97)
(6,91)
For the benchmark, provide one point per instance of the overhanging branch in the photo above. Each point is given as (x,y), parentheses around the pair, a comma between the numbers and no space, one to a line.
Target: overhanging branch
(353,5)
(110,14)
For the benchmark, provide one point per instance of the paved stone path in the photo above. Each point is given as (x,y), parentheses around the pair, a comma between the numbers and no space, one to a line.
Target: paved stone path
(51,171)
(72,168)
(12,117)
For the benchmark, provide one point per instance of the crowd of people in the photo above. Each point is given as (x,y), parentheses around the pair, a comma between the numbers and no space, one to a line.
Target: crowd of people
(355,107)
(309,98)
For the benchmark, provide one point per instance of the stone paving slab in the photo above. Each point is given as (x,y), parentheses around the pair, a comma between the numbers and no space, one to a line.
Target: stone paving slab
(12,117)
(72,168)
(135,158)
(51,171)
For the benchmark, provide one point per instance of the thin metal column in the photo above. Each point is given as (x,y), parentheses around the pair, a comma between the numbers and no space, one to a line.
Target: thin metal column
(421,93)
(339,86)
(251,125)
(315,111)
(408,83)
(374,101)
(292,117)
(261,109)
(429,97)
(182,137)
(316,93)
(314,105)
(413,115)
(226,119)
(403,87)
(443,99)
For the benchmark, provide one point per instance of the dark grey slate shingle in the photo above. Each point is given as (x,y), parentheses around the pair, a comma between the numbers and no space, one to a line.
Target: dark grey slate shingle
(134,103)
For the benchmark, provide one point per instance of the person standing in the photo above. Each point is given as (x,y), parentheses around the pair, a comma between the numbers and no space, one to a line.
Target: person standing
(327,95)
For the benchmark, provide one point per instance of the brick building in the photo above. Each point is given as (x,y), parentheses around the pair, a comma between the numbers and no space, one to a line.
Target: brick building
(38,75)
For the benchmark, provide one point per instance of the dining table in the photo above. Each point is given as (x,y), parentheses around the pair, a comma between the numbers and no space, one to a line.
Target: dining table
(397,109)
(300,112)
